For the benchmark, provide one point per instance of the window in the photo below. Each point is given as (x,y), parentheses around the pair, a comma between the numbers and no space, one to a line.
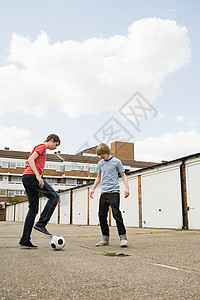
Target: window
(92,169)
(3,178)
(15,193)
(11,193)
(3,193)
(19,193)
(79,167)
(13,165)
(59,168)
(51,180)
(73,167)
(76,167)
(20,164)
(68,167)
(70,181)
(48,166)
(53,167)
(4,164)
(83,168)
(16,179)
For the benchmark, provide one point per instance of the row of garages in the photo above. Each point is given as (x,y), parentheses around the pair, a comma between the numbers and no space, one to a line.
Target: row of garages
(163,196)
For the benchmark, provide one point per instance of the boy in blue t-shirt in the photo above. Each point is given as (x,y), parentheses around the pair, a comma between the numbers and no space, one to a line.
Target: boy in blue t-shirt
(107,173)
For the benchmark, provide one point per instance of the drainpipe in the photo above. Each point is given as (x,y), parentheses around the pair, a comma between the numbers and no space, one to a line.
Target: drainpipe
(183,198)
(71,206)
(14,211)
(5,212)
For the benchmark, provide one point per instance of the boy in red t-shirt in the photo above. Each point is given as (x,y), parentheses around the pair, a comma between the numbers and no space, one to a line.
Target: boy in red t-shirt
(34,184)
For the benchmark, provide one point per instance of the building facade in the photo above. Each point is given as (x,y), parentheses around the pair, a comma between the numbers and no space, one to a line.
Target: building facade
(62,171)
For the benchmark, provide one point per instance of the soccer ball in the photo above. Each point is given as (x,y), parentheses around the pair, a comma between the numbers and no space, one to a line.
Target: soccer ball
(57,242)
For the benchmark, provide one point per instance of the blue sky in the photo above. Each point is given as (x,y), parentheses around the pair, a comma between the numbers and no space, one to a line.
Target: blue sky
(89,84)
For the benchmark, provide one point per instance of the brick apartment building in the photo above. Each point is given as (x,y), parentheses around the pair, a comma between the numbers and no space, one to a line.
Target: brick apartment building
(62,171)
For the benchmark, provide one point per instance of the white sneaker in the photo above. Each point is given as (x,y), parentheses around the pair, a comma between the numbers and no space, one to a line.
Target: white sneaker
(103,242)
(124,243)
(123,240)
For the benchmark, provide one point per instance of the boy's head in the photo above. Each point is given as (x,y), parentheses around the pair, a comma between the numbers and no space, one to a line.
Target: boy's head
(55,138)
(52,141)
(103,149)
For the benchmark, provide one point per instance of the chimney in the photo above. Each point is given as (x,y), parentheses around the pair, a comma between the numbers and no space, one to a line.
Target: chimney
(122,150)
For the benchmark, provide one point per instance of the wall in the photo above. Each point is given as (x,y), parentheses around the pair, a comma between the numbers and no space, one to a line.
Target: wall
(2,214)
(193,193)
(161,198)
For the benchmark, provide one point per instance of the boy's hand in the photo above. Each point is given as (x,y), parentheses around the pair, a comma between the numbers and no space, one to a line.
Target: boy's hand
(91,193)
(126,193)
(41,182)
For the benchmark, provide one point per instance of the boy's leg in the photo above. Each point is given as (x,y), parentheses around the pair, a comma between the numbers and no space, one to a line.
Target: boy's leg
(48,210)
(103,214)
(33,199)
(114,201)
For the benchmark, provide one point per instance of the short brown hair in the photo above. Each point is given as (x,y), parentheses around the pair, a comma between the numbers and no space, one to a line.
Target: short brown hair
(103,149)
(54,137)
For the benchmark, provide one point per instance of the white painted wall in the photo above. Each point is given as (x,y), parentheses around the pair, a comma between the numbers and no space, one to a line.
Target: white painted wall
(94,207)
(10,213)
(25,210)
(21,212)
(65,208)
(193,193)
(80,206)
(161,198)
(17,212)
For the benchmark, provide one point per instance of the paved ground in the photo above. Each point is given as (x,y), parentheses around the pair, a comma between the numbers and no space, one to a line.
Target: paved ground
(161,264)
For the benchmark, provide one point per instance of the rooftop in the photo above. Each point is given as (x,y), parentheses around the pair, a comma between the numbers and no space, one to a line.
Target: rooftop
(61,157)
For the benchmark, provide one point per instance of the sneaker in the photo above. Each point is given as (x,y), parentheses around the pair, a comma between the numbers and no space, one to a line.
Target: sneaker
(42,230)
(123,241)
(27,245)
(104,241)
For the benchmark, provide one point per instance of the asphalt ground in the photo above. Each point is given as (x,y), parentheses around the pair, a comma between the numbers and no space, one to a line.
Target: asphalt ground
(158,264)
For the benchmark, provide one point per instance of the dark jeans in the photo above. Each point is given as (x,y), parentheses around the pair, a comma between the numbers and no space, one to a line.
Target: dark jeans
(32,188)
(106,200)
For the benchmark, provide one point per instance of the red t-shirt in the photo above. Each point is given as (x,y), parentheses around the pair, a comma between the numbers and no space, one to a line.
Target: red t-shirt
(39,161)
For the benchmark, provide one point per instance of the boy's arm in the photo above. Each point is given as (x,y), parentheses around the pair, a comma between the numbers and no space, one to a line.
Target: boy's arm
(97,181)
(126,192)
(31,162)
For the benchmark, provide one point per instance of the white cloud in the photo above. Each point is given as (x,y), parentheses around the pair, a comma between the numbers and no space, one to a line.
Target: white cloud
(15,138)
(168,146)
(189,121)
(93,75)
(179,118)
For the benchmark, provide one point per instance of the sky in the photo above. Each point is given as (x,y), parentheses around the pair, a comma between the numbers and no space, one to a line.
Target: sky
(96,71)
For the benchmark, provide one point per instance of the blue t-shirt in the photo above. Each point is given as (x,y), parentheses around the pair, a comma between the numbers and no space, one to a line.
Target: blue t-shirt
(109,170)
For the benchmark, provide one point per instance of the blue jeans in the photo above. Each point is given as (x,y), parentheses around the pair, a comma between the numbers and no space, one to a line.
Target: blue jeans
(32,188)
